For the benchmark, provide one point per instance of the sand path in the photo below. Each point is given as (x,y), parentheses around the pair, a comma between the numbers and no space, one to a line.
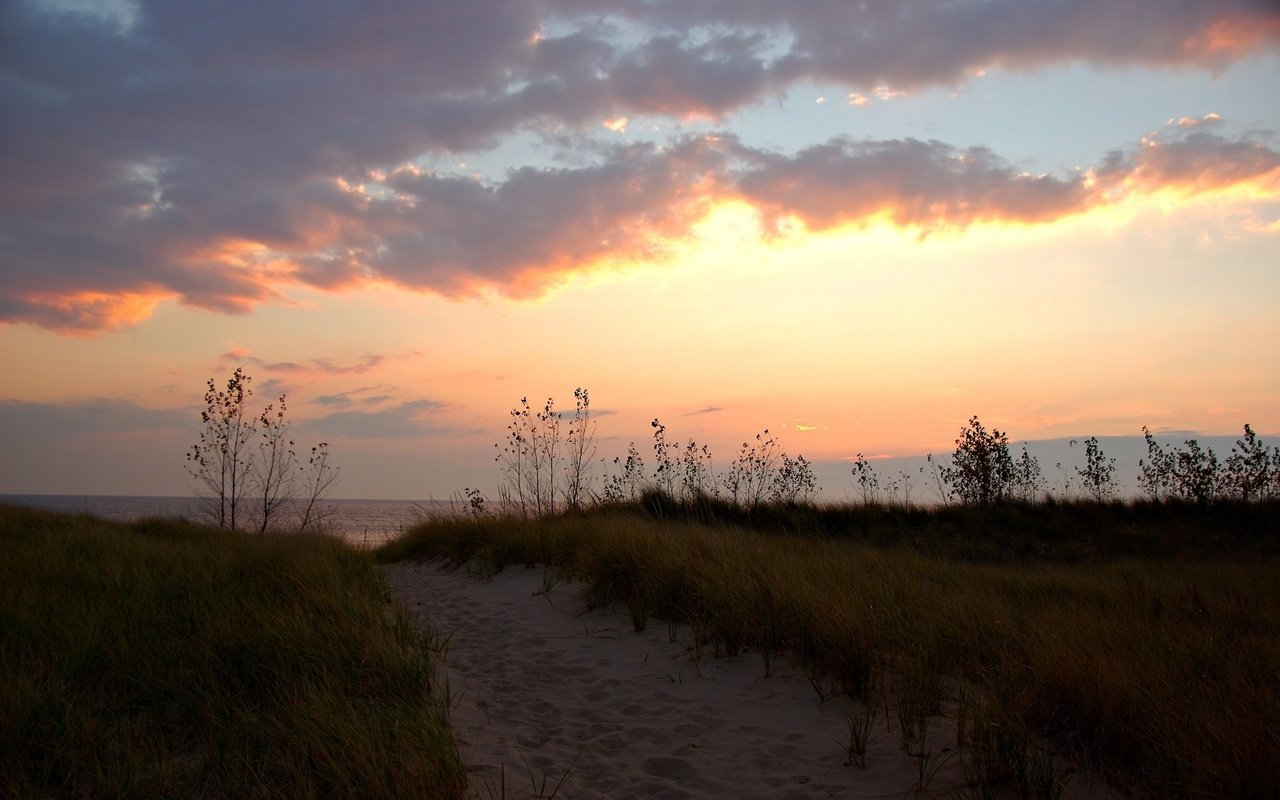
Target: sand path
(542,688)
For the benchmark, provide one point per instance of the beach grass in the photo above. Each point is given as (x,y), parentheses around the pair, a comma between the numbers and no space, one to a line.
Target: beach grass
(165,659)
(1136,643)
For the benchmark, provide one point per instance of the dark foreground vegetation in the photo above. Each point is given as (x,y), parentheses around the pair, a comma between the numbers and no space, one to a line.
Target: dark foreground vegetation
(164,659)
(1137,642)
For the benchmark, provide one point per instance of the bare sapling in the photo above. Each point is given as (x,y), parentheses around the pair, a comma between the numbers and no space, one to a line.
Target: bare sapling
(220,460)
(274,466)
(581,445)
(245,466)
(318,477)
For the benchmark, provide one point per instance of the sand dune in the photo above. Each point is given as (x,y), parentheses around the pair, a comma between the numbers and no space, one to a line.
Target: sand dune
(543,689)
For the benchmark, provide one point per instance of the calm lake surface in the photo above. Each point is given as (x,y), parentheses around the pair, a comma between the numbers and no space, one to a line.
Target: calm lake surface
(365,523)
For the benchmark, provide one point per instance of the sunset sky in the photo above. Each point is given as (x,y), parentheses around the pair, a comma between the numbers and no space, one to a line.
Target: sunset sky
(856,224)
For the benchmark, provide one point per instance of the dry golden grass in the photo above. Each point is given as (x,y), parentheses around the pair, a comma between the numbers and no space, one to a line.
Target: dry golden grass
(1160,671)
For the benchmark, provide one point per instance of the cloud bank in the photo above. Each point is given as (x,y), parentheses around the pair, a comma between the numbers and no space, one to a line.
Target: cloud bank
(217,154)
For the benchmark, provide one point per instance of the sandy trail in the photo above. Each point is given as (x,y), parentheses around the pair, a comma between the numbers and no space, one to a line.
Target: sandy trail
(542,688)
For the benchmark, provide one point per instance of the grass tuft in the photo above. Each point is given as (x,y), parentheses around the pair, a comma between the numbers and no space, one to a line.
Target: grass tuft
(164,659)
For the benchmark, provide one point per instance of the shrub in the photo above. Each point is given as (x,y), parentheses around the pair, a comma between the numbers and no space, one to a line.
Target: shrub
(981,470)
(1098,472)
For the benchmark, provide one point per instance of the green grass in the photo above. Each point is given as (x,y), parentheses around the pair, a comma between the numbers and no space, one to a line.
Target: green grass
(163,659)
(1143,641)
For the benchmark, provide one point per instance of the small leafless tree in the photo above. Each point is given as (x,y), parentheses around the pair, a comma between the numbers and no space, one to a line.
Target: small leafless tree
(318,477)
(245,466)
(529,459)
(274,467)
(221,459)
(581,442)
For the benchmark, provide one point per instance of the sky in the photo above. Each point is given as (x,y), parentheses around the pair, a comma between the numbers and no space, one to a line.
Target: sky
(854,224)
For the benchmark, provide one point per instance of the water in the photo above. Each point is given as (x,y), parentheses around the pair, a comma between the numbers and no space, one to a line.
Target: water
(364,523)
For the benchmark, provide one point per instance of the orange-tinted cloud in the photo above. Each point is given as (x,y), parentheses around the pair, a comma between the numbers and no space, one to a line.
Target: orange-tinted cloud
(83,312)
(1194,160)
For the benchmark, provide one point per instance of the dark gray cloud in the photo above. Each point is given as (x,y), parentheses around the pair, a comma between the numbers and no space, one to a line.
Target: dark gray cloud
(210,153)
(918,43)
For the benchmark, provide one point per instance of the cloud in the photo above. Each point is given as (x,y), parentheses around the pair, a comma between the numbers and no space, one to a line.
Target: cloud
(912,182)
(704,410)
(915,45)
(411,418)
(345,399)
(1191,159)
(218,154)
(324,366)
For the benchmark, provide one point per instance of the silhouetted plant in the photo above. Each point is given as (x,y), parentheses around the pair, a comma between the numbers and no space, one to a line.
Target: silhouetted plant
(581,443)
(981,470)
(1155,472)
(750,474)
(1098,472)
(274,468)
(1247,472)
(936,472)
(221,458)
(628,484)
(241,458)
(528,460)
(901,488)
(546,454)
(1196,472)
(318,477)
(475,502)
(794,481)
(867,479)
(1028,481)
(696,479)
(1193,472)
(666,460)
(513,455)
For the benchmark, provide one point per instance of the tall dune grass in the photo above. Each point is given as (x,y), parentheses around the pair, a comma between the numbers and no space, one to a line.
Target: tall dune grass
(162,659)
(1161,670)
